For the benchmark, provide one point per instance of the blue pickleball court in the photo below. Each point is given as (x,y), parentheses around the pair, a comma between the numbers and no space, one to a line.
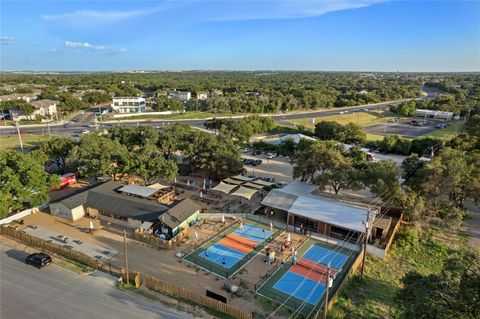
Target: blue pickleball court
(300,287)
(324,256)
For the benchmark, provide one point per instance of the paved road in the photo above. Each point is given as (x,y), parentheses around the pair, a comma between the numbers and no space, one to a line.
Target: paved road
(84,119)
(76,128)
(53,292)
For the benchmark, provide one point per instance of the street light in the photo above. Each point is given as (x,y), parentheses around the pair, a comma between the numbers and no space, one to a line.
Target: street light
(19,135)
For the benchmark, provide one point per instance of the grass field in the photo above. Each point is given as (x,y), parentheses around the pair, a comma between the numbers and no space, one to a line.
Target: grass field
(375,295)
(361,118)
(11,142)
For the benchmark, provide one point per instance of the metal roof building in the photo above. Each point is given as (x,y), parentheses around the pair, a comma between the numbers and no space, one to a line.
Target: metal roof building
(311,212)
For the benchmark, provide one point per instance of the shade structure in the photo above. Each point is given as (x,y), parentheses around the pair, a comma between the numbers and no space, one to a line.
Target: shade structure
(263,183)
(158,186)
(241,178)
(224,188)
(253,185)
(245,192)
(232,181)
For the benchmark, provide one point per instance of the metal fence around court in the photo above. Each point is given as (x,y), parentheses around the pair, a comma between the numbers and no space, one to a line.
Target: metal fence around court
(219,270)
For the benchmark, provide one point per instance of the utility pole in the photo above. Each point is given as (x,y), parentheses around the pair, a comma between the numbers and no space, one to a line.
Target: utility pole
(19,136)
(365,242)
(125,253)
(48,126)
(327,285)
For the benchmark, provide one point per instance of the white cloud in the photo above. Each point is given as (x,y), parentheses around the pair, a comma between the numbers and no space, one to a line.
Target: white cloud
(101,16)
(7,39)
(121,50)
(83,45)
(283,9)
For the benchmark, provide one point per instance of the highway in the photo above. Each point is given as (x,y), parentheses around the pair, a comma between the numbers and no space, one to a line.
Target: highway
(82,121)
(53,292)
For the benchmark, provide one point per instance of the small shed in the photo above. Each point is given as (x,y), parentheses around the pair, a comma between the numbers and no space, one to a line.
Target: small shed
(381,226)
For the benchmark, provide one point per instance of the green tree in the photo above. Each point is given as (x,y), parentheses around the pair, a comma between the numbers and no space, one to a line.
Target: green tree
(328,130)
(23,181)
(341,176)
(173,138)
(57,149)
(407,108)
(454,293)
(96,155)
(353,134)
(21,105)
(150,165)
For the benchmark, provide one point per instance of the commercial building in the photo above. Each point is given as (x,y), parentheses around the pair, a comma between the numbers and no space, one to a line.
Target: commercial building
(128,206)
(128,104)
(434,114)
(299,206)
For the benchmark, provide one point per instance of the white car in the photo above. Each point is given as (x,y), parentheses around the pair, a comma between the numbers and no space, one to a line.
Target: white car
(85,131)
(271,155)
(245,150)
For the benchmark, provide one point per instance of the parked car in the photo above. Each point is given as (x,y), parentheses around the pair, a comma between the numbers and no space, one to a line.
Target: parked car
(282,184)
(38,260)
(271,155)
(257,162)
(245,150)
(253,177)
(85,131)
(256,152)
(65,181)
(21,132)
(268,179)
(248,161)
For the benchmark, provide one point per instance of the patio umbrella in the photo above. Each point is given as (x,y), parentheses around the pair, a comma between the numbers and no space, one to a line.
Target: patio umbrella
(223,218)
(91,225)
(288,237)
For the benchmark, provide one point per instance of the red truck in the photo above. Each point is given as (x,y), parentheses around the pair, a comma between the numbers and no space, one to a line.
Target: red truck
(66,180)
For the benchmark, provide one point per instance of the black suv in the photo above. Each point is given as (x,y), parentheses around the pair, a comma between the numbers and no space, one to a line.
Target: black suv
(38,260)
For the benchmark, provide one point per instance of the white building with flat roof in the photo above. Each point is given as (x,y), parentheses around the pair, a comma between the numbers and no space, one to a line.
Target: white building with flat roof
(434,114)
(179,95)
(128,104)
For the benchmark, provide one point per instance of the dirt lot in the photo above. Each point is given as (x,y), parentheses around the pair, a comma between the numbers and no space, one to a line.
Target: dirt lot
(401,128)
(164,264)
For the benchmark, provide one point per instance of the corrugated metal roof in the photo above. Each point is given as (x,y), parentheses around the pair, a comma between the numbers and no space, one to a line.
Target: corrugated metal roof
(296,198)
(279,200)
(138,190)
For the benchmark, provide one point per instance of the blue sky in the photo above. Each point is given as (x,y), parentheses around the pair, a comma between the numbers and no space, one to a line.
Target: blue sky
(329,35)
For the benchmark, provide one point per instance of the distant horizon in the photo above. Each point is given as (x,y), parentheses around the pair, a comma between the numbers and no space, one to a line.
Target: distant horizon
(139,71)
(284,35)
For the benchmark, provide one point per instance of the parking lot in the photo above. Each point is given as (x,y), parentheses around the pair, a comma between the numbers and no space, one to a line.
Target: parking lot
(278,167)
(403,128)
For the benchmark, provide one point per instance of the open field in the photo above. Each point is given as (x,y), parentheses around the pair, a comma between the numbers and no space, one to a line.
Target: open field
(375,295)
(11,142)
(362,118)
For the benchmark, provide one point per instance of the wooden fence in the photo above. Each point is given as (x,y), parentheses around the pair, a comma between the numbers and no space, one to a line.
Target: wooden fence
(157,242)
(134,277)
(60,250)
(181,293)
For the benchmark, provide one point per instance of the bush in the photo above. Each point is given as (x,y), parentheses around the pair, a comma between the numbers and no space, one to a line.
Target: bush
(407,239)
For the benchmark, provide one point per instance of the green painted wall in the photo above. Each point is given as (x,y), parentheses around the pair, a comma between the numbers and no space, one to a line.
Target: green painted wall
(184,225)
